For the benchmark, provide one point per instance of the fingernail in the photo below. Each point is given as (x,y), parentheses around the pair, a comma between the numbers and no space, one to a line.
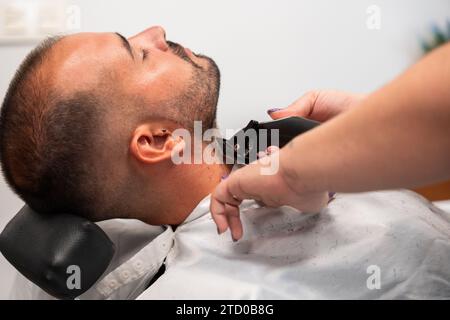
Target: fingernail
(218,231)
(270,150)
(261,154)
(331,196)
(273,110)
(234,240)
(224,177)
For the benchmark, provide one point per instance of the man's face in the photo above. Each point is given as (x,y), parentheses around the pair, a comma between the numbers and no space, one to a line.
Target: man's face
(145,66)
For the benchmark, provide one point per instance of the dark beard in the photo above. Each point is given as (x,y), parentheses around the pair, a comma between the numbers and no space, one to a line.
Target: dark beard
(209,80)
(178,50)
(199,102)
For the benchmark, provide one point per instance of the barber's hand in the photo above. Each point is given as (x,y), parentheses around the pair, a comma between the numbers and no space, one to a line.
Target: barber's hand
(319,105)
(271,190)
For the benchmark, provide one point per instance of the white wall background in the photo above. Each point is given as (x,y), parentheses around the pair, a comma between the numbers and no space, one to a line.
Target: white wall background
(269,51)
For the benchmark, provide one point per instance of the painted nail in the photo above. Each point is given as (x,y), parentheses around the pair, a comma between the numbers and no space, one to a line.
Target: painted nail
(273,110)
(331,194)
(271,150)
(261,154)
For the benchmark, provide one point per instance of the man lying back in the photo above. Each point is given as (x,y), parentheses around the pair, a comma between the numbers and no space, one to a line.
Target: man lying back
(87,127)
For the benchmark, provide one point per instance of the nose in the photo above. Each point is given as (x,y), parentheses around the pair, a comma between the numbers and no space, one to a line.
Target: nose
(152,37)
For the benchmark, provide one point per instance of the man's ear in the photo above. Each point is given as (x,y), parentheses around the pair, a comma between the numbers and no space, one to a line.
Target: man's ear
(152,143)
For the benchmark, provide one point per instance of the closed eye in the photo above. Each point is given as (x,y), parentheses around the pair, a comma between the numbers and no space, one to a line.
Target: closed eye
(144,54)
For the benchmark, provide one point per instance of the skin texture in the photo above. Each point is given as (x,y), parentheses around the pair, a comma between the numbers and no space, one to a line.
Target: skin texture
(153,73)
(396,137)
(317,105)
(320,105)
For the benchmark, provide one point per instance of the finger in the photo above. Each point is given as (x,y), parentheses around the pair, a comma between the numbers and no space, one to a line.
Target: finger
(223,194)
(271,150)
(243,183)
(234,222)
(261,154)
(219,199)
(302,107)
(218,214)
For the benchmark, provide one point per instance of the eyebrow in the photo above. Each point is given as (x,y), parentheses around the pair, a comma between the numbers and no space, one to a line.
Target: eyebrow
(125,44)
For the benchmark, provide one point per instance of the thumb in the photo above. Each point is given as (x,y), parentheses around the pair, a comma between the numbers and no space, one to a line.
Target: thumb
(300,108)
(292,110)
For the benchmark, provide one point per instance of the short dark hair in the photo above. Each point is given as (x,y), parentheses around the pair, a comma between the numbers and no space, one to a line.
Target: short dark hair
(54,143)
(45,139)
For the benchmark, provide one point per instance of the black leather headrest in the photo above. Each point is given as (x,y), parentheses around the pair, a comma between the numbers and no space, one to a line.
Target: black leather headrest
(52,249)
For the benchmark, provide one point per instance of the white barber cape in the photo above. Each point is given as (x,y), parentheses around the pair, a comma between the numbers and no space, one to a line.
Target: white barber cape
(385,245)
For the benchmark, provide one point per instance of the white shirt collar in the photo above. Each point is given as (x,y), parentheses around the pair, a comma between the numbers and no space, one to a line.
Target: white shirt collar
(200,210)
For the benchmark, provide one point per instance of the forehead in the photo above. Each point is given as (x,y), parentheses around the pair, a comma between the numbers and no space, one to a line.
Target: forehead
(79,60)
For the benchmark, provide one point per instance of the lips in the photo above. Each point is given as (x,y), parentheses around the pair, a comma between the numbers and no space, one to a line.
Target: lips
(188,52)
(178,50)
(184,53)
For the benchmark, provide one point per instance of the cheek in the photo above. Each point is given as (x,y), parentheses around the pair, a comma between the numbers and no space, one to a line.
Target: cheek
(165,80)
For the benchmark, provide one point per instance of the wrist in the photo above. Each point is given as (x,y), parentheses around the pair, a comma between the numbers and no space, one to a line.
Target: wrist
(290,171)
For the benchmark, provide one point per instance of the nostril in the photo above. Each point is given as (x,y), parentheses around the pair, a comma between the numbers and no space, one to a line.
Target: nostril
(164,45)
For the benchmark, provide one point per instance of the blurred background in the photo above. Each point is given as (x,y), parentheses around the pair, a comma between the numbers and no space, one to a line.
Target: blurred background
(269,52)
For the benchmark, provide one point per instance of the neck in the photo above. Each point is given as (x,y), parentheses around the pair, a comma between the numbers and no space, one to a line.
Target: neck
(185,187)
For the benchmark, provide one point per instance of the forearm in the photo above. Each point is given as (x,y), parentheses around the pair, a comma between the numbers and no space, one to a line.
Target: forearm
(398,137)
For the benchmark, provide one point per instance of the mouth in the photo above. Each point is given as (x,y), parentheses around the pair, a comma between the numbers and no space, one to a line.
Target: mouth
(189,53)
(183,53)
(180,51)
